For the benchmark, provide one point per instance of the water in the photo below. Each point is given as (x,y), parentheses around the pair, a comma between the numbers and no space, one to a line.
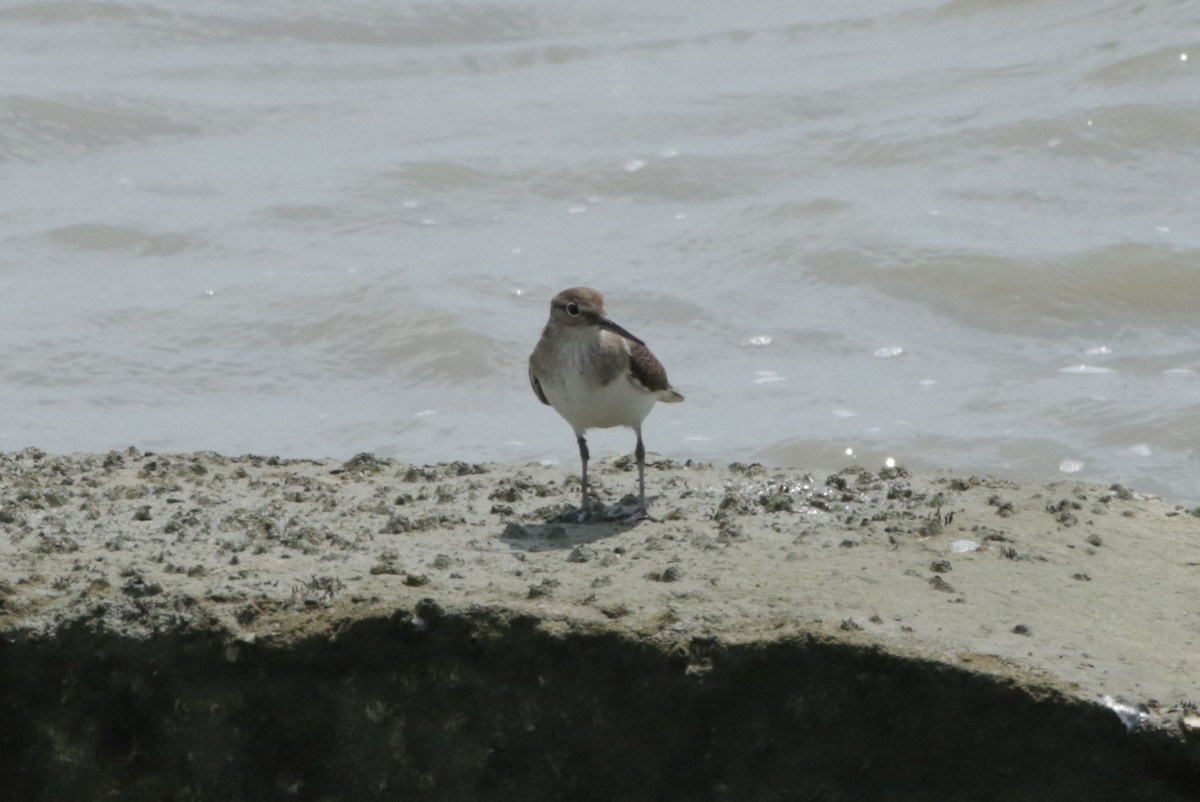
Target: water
(955,234)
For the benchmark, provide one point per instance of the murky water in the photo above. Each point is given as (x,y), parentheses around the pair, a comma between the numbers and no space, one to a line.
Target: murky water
(953,233)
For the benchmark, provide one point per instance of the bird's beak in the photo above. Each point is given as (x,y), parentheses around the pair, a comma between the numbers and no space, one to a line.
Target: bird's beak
(605,323)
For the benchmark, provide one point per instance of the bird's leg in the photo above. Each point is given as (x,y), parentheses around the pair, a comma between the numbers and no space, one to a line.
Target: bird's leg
(584,507)
(640,453)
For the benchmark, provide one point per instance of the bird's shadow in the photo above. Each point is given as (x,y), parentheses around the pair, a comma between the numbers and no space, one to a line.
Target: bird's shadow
(564,531)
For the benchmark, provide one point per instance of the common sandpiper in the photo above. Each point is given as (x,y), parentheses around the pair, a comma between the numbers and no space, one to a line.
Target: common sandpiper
(597,375)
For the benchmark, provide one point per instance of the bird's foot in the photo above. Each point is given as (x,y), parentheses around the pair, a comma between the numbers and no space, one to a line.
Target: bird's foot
(630,509)
(580,515)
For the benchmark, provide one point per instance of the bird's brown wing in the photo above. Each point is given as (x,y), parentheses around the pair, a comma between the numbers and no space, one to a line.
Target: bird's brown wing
(537,389)
(646,369)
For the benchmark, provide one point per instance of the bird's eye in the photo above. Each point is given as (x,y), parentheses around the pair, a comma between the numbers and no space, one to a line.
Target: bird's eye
(573,309)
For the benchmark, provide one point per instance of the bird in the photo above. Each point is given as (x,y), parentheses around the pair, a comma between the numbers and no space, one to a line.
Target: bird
(597,375)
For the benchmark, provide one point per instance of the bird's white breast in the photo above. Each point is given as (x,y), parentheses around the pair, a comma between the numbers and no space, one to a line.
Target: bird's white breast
(574,391)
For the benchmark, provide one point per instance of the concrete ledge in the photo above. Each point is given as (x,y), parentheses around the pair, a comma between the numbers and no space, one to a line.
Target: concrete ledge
(197,627)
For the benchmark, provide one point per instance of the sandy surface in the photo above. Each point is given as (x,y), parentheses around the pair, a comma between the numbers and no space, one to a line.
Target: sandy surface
(1087,590)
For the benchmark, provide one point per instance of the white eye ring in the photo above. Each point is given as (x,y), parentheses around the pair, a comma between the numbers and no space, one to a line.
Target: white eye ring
(573,309)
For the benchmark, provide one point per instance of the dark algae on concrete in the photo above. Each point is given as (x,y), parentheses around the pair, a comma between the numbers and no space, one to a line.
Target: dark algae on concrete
(481,705)
(194,627)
